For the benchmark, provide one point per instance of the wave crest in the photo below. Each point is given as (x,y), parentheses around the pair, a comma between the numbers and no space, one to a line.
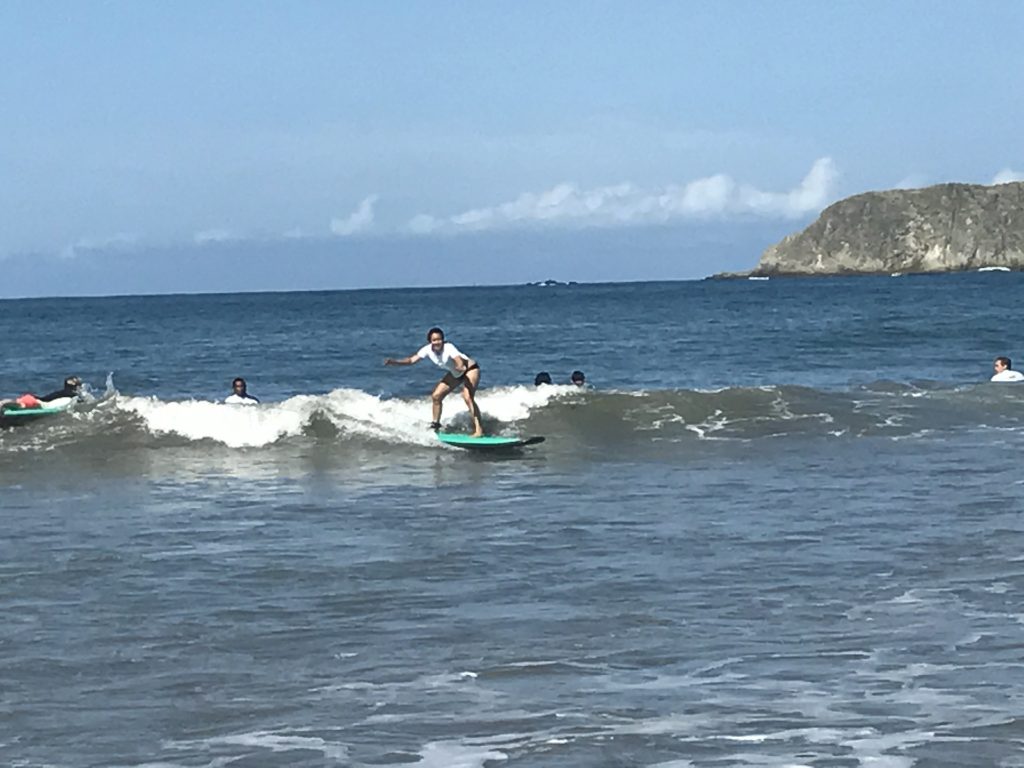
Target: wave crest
(351,416)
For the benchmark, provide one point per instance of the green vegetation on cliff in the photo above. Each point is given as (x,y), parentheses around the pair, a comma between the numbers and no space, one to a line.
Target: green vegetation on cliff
(945,228)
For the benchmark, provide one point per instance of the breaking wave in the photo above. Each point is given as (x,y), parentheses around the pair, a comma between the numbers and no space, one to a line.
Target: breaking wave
(582,418)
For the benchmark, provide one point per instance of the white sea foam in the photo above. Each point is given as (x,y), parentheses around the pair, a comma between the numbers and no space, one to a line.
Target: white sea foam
(751,758)
(282,742)
(234,425)
(677,725)
(355,412)
(911,596)
(404,421)
(705,430)
(267,741)
(351,411)
(454,754)
(510,404)
(876,750)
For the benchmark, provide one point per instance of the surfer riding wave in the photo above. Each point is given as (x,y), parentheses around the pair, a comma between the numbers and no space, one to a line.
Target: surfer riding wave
(460,371)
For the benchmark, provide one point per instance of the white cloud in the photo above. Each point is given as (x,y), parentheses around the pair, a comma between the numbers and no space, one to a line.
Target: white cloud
(1007,175)
(215,236)
(359,221)
(120,241)
(626,204)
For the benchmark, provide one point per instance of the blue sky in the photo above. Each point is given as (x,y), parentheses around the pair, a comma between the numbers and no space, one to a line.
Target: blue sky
(137,132)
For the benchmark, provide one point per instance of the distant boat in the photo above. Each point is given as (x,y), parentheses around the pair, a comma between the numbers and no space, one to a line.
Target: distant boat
(549,283)
(896,274)
(993,269)
(757,277)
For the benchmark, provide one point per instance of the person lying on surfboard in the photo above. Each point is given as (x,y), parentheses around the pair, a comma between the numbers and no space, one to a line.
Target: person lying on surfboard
(28,400)
(460,371)
(72,388)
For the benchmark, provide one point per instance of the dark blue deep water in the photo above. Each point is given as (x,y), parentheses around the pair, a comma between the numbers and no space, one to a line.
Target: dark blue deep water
(782,526)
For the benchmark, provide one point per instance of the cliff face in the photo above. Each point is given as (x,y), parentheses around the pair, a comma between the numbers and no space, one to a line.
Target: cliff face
(945,228)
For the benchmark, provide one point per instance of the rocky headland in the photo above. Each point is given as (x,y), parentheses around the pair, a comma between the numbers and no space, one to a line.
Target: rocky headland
(945,228)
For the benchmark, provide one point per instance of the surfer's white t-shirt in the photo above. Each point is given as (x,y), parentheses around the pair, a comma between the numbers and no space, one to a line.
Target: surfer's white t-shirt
(238,400)
(445,360)
(1010,375)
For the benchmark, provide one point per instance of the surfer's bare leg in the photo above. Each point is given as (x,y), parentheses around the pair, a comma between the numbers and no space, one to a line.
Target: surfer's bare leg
(471,380)
(444,386)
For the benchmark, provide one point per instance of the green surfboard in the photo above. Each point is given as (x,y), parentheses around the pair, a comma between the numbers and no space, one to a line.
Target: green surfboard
(487,442)
(12,417)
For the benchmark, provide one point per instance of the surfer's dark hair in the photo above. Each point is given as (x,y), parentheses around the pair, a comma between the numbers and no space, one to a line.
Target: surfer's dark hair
(432,331)
(1005,361)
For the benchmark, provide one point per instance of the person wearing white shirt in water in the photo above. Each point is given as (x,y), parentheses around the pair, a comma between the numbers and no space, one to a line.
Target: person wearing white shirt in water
(460,371)
(1004,370)
(239,395)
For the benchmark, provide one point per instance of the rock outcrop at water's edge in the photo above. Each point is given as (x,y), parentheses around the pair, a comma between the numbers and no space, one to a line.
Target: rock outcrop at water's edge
(945,228)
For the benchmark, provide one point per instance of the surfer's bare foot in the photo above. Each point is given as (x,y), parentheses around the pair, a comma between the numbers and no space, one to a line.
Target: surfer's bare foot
(477,434)
(435,425)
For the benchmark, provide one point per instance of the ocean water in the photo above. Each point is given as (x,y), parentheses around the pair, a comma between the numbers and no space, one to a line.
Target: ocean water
(781,527)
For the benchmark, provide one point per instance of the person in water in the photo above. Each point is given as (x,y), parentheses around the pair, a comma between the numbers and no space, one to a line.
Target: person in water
(239,395)
(460,371)
(72,389)
(542,378)
(1004,370)
(578,379)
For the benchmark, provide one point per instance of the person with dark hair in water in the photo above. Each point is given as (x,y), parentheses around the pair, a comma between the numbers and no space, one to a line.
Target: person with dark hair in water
(1004,370)
(239,395)
(72,388)
(578,378)
(542,378)
(460,371)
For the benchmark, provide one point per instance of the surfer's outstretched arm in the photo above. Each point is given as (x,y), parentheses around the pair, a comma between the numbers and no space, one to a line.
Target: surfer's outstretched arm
(410,360)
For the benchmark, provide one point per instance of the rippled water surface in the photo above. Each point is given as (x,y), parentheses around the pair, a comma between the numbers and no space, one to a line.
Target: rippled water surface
(781,527)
